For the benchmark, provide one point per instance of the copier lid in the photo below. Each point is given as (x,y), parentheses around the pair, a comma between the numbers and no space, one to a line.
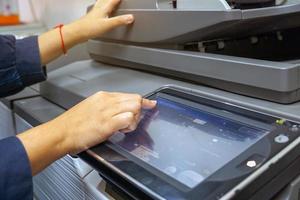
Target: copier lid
(156,23)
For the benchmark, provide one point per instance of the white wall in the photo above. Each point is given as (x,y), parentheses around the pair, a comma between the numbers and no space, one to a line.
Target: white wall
(54,12)
(58,11)
(26,12)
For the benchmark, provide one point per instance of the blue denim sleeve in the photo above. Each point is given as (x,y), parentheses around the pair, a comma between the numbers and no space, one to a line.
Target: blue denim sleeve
(20,64)
(15,171)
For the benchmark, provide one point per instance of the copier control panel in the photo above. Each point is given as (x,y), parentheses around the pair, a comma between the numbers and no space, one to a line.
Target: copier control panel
(192,147)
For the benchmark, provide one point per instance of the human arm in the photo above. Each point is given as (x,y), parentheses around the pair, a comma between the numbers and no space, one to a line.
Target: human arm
(85,125)
(21,61)
(15,170)
(20,64)
(95,23)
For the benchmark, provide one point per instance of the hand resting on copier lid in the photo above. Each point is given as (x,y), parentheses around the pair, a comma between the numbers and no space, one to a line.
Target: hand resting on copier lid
(94,24)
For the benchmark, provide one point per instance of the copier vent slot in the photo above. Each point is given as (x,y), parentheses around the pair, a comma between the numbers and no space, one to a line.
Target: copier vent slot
(190,4)
(174,3)
(250,4)
(274,46)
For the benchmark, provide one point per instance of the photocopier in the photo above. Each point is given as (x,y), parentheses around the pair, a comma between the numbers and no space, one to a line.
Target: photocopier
(226,76)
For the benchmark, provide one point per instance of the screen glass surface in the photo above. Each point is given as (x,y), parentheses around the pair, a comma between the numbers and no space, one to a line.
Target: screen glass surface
(189,143)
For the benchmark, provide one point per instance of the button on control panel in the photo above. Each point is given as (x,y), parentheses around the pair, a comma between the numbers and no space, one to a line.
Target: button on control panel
(251,163)
(281,139)
(286,131)
(295,128)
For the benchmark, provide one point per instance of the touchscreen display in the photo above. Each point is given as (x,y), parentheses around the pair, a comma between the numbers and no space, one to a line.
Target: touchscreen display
(186,143)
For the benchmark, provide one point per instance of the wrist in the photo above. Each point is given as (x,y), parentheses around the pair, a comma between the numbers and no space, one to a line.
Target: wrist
(76,31)
(44,144)
(60,135)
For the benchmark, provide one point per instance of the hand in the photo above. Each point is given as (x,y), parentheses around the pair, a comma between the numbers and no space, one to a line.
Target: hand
(97,21)
(89,123)
(94,24)
(95,119)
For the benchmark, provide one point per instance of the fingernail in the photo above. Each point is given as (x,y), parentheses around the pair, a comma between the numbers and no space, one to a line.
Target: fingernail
(129,19)
(154,102)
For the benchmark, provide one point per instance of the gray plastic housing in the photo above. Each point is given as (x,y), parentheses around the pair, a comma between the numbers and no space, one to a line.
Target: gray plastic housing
(67,86)
(148,45)
(291,192)
(167,25)
(274,81)
(73,83)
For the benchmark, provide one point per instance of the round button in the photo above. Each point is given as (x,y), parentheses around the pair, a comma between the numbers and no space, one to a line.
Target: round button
(294,128)
(251,163)
(281,139)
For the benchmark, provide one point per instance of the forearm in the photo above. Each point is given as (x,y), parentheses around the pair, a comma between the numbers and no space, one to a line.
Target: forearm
(50,43)
(44,144)
(94,24)
(87,124)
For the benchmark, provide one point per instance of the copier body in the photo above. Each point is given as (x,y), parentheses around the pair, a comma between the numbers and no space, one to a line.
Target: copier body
(161,37)
(154,52)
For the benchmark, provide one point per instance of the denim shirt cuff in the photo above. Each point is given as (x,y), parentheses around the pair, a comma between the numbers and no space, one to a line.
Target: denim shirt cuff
(15,170)
(28,61)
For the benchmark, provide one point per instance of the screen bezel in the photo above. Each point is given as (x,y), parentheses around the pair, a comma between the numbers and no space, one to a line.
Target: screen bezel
(209,186)
(191,105)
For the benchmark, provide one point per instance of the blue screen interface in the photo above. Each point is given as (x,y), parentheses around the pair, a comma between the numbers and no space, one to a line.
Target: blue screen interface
(189,144)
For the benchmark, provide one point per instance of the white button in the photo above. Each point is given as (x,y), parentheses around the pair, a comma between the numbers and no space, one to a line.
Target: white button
(251,163)
(281,139)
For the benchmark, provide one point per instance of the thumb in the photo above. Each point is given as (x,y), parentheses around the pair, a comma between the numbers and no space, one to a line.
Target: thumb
(122,20)
(148,104)
(123,120)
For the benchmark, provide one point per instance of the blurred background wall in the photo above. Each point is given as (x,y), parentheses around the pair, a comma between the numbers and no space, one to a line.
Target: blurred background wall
(53,12)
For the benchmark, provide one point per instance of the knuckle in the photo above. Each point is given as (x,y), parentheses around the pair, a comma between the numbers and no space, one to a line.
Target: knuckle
(138,97)
(100,93)
(136,106)
(116,1)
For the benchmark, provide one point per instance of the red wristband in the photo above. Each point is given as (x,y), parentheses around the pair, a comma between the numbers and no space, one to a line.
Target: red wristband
(63,47)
